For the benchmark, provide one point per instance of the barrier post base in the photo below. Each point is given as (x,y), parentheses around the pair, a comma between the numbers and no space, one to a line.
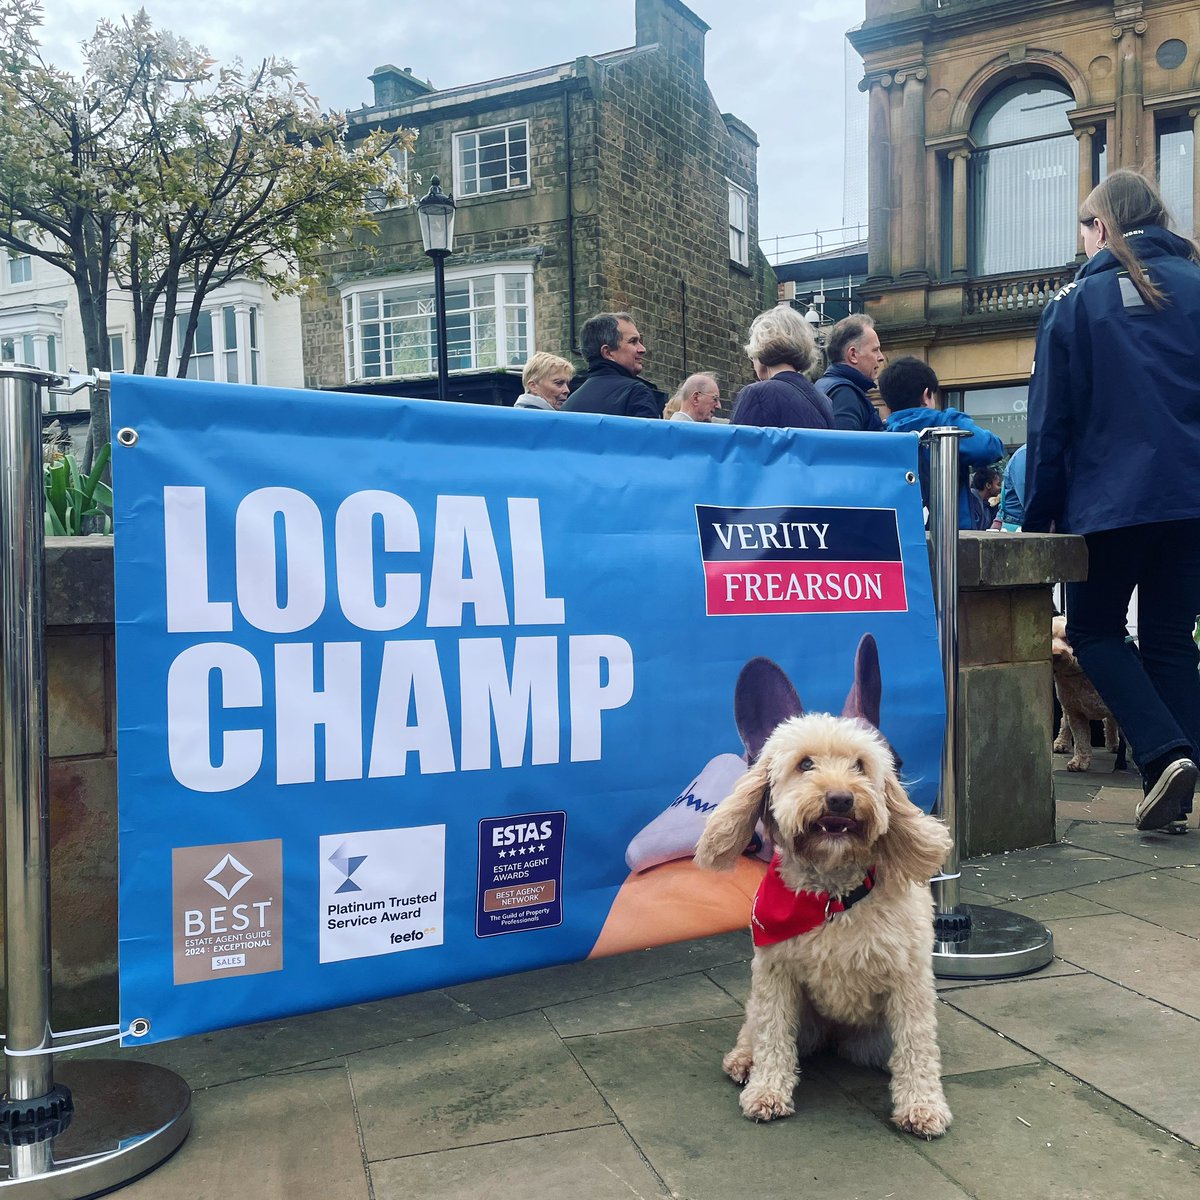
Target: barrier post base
(128,1118)
(998,945)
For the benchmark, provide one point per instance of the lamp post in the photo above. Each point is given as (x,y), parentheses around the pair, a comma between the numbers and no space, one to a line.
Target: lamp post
(435,210)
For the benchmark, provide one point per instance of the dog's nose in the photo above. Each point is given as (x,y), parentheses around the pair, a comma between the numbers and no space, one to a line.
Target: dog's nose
(839,802)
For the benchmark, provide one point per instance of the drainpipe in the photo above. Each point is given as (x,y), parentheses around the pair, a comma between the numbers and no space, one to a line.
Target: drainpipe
(566,121)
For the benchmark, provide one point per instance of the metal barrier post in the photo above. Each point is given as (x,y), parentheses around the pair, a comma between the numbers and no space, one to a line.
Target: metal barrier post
(101,1124)
(971,941)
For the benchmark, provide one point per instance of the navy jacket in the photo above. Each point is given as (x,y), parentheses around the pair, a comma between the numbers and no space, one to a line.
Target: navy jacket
(847,389)
(980,449)
(785,401)
(1114,399)
(607,387)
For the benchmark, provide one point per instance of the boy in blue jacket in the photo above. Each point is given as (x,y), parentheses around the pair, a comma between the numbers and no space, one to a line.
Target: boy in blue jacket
(909,388)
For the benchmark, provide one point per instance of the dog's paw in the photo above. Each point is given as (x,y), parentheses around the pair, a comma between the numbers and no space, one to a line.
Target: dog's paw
(1062,747)
(762,1104)
(927,1120)
(1078,764)
(737,1063)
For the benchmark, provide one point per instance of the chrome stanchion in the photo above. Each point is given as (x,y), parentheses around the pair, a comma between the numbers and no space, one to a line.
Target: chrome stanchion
(99,1124)
(971,941)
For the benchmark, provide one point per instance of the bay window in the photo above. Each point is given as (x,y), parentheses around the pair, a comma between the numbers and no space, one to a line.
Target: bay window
(391,326)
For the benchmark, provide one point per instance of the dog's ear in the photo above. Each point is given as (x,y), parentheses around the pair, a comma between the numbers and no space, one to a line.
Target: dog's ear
(763,698)
(863,699)
(731,825)
(916,844)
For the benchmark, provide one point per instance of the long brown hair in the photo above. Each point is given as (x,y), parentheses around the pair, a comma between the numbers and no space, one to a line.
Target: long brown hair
(1125,201)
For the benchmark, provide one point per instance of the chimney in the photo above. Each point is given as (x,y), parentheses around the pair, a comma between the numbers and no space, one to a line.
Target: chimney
(674,27)
(394,86)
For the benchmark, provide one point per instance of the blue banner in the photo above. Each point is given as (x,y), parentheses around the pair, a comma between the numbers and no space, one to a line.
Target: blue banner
(414,693)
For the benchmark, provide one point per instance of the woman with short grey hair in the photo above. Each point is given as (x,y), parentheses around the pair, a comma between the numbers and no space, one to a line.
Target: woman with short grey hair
(781,347)
(546,379)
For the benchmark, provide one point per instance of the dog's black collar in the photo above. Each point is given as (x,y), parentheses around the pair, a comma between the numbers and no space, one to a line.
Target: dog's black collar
(851,898)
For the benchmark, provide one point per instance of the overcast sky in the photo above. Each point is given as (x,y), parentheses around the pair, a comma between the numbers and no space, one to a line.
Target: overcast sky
(779,65)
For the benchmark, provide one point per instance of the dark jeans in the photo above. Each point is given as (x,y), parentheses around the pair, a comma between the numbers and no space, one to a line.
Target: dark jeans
(1155,699)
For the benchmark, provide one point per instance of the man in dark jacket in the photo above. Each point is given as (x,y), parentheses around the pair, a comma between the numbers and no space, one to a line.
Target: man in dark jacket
(614,351)
(855,360)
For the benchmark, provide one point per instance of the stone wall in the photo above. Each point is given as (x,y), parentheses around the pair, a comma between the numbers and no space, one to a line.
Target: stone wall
(81,703)
(666,254)
(1006,685)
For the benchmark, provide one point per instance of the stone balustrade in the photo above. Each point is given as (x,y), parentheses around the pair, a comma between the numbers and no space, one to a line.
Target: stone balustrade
(1025,294)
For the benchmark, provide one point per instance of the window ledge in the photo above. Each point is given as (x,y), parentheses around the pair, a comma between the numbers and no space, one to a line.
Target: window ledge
(484,197)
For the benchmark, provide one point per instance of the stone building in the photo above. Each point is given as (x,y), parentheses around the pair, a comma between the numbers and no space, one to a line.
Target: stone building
(990,120)
(611,182)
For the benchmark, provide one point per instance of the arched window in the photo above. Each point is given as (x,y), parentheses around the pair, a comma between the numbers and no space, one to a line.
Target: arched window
(1024,180)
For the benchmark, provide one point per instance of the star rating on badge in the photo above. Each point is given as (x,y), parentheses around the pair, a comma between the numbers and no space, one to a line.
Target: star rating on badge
(539,849)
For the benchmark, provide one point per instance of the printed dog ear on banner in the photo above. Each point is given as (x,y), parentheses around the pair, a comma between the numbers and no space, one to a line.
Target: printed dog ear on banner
(763,698)
(864,696)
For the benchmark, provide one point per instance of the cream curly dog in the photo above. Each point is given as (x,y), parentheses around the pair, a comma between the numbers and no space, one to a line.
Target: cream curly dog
(854,857)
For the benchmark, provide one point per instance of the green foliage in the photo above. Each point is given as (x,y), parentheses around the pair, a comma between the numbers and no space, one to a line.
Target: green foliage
(168,176)
(77,503)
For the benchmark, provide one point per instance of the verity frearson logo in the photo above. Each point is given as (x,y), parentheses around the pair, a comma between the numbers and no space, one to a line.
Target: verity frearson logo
(765,561)
(347,864)
(398,891)
(227,910)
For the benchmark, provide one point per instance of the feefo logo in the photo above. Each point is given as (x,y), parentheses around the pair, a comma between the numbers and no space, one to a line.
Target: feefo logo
(227,910)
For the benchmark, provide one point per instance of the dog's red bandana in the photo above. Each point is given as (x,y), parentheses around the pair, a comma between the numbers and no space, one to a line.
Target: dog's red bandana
(779,913)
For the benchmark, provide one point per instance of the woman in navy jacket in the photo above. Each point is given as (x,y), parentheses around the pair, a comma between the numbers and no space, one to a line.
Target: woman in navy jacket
(781,347)
(1114,454)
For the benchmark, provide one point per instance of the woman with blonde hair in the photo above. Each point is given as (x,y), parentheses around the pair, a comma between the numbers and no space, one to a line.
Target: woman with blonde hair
(1113,453)
(546,379)
(781,348)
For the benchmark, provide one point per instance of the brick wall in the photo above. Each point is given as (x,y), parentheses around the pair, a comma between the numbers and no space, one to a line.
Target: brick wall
(666,154)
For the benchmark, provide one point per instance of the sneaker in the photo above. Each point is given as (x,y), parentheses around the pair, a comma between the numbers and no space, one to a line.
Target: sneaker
(1170,794)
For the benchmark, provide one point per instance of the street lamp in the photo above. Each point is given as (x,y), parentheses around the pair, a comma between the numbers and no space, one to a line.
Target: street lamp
(435,210)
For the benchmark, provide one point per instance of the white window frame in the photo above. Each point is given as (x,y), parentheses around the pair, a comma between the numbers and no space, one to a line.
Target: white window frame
(26,271)
(508,352)
(739,235)
(247,302)
(32,333)
(460,191)
(399,167)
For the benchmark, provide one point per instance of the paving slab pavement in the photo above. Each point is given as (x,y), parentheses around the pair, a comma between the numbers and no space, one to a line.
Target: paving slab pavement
(602,1079)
